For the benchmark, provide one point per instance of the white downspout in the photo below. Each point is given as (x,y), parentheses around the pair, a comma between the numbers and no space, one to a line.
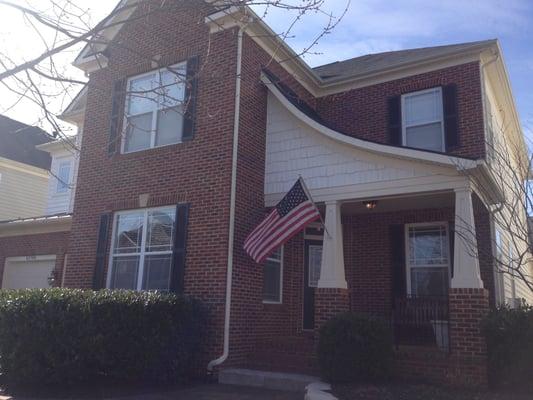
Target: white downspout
(229,276)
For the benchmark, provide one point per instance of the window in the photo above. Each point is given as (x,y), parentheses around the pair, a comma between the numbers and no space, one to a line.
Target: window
(272,277)
(428,260)
(154,109)
(315,264)
(422,120)
(63,177)
(141,253)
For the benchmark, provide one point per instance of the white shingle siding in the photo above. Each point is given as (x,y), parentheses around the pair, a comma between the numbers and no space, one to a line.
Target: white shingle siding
(293,149)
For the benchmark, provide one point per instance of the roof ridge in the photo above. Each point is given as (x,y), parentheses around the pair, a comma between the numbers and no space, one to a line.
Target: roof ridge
(476,42)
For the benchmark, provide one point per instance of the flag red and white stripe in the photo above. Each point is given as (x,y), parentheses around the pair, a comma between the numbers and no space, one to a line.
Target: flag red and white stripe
(292,214)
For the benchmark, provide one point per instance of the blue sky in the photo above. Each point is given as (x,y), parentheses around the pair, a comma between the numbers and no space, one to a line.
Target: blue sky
(373,26)
(369,26)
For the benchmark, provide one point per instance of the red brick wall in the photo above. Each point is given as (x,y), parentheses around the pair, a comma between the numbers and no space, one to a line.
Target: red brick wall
(250,318)
(197,171)
(35,245)
(468,307)
(363,112)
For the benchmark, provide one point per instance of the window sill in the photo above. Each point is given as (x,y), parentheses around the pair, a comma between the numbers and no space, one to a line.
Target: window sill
(152,149)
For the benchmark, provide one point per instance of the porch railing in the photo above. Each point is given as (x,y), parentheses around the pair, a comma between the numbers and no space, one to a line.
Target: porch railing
(421,320)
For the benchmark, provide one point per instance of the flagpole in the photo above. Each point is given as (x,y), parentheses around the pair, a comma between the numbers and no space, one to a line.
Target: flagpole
(306,190)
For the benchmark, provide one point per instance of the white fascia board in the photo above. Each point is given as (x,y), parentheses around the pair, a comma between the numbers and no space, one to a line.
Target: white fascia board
(391,151)
(91,58)
(36,227)
(66,145)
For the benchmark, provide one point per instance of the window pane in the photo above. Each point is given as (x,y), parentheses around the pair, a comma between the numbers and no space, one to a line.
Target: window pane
(139,132)
(63,177)
(142,97)
(428,246)
(427,137)
(169,126)
(429,281)
(271,281)
(125,272)
(173,83)
(128,234)
(160,230)
(423,108)
(157,272)
(315,263)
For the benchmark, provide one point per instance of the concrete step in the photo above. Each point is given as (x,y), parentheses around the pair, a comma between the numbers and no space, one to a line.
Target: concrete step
(266,379)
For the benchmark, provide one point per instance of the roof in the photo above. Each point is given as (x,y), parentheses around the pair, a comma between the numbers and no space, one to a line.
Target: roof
(375,62)
(19,140)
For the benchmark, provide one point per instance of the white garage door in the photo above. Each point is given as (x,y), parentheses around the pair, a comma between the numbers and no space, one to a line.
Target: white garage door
(28,272)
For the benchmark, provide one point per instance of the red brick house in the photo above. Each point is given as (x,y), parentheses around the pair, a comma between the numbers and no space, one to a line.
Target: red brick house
(169,189)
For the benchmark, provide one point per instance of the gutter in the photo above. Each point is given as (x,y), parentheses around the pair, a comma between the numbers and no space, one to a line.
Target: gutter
(229,274)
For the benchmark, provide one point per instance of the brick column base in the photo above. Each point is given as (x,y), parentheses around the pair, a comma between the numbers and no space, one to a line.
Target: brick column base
(328,303)
(468,349)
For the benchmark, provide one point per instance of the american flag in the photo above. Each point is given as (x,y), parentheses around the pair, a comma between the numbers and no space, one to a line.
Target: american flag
(289,217)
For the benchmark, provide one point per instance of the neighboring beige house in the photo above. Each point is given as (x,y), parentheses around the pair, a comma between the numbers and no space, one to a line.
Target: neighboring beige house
(35,200)
(23,170)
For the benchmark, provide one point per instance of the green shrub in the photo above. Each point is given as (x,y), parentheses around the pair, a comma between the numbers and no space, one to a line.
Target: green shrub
(509,334)
(355,347)
(67,337)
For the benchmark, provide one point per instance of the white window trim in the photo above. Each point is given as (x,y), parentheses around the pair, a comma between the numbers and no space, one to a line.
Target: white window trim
(282,256)
(142,253)
(407,261)
(153,128)
(58,182)
(441,120)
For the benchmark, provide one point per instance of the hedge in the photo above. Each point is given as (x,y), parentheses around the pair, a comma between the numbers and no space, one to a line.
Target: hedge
(509,334)
(68,337)
(355,347)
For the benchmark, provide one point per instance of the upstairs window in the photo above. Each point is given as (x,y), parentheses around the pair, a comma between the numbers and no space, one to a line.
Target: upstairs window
(422,120)
(155,106)
(63,177)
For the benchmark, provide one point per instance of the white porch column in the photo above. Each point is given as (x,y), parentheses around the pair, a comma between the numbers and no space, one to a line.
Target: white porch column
(465,258)
(332,270)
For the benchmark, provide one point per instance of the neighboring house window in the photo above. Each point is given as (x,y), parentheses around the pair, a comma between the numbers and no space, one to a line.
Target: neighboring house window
(428,259)
(273,277)
(422,120)
(154,109)
(141,253)
(63,177)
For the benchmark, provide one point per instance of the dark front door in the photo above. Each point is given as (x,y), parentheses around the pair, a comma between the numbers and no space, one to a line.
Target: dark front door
(313,260)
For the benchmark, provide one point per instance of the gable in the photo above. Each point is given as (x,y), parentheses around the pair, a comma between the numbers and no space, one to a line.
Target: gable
(295,149)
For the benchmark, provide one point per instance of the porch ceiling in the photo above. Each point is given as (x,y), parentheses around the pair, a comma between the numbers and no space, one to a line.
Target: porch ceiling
(388,204)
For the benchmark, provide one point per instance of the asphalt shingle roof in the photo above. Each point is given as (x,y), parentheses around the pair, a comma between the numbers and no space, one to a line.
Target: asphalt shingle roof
(379,61)
(18,141)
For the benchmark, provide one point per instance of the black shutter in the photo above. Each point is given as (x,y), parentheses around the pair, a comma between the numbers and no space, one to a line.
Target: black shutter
(180,246)
(117,113)
(451,122)
(397,249)
(395,120)
(101,250)
(191,91)
(451,241)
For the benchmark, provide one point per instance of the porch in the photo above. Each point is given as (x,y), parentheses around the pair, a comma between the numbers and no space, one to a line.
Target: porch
(394,257)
